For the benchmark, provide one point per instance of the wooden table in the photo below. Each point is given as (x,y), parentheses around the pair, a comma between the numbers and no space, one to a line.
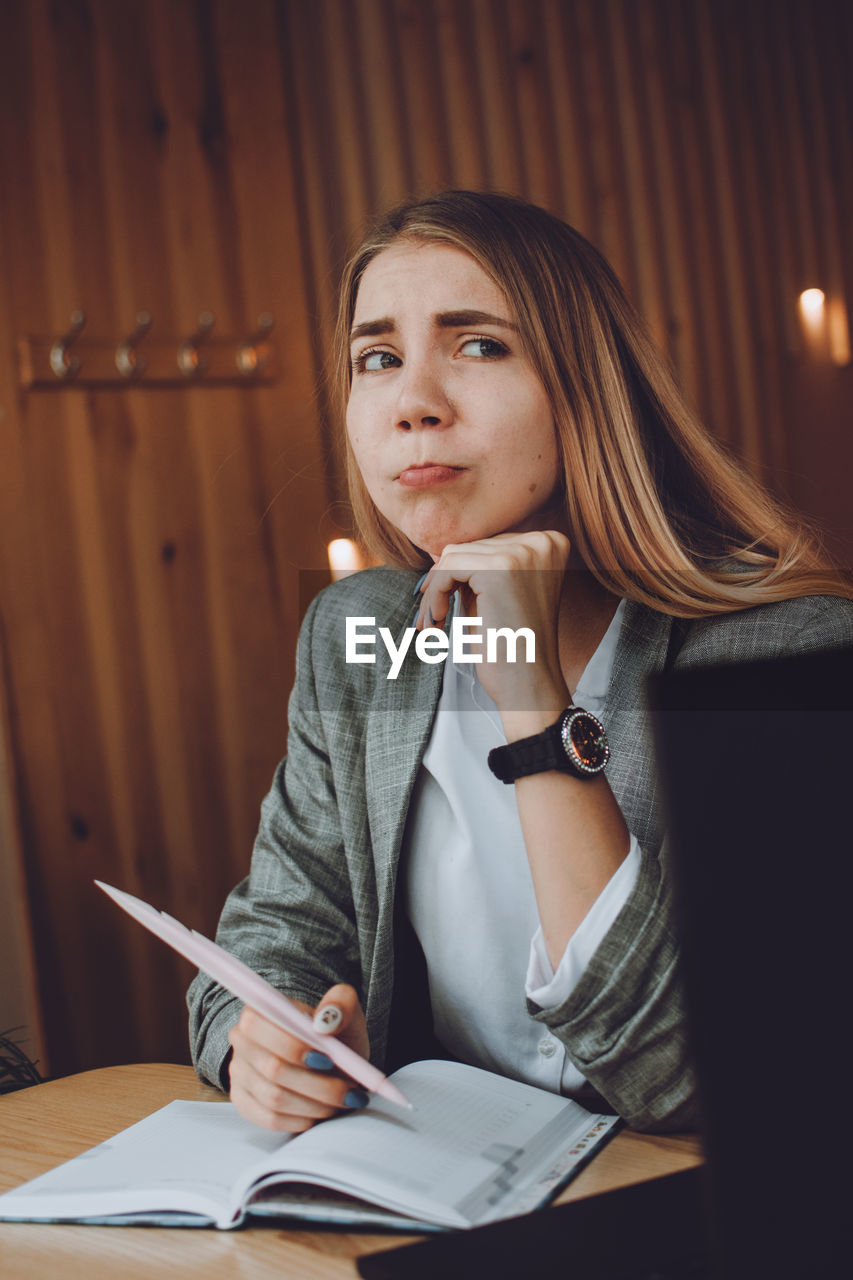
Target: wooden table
(42,1126)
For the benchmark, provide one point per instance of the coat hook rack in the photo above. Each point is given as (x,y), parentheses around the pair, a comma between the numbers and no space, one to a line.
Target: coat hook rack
(143,359)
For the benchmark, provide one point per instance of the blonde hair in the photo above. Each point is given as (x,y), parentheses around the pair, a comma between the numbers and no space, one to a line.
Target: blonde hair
(656,508)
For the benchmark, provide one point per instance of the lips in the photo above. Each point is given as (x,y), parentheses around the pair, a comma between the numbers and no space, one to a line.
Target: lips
(424,475)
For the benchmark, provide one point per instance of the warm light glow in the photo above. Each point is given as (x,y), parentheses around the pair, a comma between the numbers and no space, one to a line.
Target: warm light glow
(344,558)
(811,305)
(812,310)
(838,331)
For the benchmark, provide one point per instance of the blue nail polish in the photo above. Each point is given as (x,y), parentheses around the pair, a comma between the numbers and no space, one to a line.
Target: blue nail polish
(356,1099)
(420,582)
(431,618)
(318,1061)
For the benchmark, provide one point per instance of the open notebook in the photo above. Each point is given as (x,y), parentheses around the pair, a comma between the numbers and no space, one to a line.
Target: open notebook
(474,1148)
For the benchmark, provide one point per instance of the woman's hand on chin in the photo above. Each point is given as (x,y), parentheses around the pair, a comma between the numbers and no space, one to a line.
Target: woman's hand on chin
(511,580)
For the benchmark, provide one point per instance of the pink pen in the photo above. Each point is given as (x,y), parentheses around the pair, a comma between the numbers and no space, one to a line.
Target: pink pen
(255,991)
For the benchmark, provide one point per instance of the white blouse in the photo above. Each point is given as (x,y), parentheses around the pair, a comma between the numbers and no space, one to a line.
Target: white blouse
(469,892)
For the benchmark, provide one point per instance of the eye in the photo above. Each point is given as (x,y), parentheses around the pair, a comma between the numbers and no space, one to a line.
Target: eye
(484,348)
(375,361)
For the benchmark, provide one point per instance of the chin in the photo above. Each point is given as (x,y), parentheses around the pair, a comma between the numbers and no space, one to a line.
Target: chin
(458,528)
(433,541)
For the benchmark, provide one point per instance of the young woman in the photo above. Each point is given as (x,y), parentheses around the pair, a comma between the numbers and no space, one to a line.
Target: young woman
(519,453)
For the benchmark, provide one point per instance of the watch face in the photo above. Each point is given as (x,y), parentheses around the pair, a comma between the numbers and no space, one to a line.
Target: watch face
(585,741)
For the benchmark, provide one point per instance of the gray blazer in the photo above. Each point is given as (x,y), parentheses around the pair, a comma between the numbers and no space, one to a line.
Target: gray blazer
(318,905)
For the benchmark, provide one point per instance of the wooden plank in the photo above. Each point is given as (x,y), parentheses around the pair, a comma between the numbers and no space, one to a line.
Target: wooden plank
(536,115)
(386,139)
(154,589)
(496,76)
(777,213)
(28,728)
(757,217)
(660,87)
(571,157)
(824,163)
(20,1007)
(337,22)
(638,162)
(456,31)
(283,490)
(68,841)
(424,90)
(610,233)
(718,405)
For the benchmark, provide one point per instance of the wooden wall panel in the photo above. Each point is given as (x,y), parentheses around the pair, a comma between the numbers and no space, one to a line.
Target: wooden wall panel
(164,530)
(20,1009)
(184,155)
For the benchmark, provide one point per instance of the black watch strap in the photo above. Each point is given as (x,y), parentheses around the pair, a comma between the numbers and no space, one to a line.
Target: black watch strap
(553,749)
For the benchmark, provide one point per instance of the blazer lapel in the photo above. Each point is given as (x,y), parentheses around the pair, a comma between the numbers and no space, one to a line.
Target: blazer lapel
(640,652)
(398,729)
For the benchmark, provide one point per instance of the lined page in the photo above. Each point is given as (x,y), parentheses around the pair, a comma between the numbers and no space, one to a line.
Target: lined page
(470,1150)
(185,1156)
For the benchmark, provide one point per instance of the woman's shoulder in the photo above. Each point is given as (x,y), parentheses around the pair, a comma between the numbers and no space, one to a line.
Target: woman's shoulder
(384,594)
(800,625)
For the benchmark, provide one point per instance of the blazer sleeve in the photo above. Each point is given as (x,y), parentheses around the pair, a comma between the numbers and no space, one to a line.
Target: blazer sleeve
(624,1023)
(292,918)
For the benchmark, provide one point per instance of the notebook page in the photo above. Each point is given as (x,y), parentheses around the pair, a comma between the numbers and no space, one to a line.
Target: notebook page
(185,1156)
(473,1145)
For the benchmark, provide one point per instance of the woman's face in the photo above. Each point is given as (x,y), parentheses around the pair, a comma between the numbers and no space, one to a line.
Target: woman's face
(450,425)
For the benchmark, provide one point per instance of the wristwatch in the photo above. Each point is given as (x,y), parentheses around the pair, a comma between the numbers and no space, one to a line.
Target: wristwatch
(575,744)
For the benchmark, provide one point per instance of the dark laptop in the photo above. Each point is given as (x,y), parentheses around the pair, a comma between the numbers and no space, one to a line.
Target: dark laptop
(756,765)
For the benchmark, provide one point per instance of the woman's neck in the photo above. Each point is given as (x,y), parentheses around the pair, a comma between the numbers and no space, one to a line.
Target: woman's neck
(586,611)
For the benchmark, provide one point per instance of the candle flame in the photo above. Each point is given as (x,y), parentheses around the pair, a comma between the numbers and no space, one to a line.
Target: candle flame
(344,558)
(811,304)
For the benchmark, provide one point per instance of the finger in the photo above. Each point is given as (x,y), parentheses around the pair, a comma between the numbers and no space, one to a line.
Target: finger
(338,1011)
(255,1034)
(463,571)
(297,1090)
(435,602)
(541,541)
(281,1112)
(342,997)
(275,1099)
(352,1029)
(281,1122)
(279,1096)
(250,1110)
(328,1019)
(539,548)
(460,566)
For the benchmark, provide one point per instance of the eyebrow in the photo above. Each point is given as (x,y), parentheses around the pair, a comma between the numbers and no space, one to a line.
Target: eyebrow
(444,320)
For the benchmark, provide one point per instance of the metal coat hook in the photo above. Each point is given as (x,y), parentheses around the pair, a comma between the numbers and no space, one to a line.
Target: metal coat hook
(128,362)
(249,359)
(63,364)
(190,362)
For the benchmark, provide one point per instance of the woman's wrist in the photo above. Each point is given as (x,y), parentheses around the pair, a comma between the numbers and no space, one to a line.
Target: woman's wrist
(524,722)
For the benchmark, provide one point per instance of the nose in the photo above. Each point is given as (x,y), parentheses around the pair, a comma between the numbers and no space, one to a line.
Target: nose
(422,400)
